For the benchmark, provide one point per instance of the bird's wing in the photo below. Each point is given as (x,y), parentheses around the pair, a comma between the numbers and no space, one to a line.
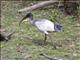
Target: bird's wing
(44,25)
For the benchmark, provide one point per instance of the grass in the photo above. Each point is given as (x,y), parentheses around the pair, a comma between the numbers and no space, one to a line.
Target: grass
(20,47)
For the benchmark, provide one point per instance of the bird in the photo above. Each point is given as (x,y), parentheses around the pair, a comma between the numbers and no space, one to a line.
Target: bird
(43,25)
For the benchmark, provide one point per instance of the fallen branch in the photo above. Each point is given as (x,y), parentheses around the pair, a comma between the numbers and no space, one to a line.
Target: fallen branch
(39,5)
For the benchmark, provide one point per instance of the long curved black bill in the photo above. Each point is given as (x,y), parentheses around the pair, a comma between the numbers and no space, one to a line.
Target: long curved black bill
(22,20)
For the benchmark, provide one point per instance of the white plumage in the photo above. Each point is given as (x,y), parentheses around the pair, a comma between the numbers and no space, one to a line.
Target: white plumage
(44,25)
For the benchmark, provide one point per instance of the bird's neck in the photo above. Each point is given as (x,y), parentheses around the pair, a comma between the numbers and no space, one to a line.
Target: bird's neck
(31,19)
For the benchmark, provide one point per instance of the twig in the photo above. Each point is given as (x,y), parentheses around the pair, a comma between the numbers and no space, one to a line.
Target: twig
(50,58)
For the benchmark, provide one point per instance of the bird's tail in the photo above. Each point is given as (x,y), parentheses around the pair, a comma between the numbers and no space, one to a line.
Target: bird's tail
(58,27)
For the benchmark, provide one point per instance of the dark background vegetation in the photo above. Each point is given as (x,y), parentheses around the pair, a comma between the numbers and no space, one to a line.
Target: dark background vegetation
(25,43)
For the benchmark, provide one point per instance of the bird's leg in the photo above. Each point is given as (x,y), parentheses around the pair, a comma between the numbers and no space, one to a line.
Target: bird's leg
(45,38)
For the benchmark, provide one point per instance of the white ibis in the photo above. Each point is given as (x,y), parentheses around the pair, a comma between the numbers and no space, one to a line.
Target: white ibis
(43,25)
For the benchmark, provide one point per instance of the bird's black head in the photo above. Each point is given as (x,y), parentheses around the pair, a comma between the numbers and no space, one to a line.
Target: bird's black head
(28,15)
